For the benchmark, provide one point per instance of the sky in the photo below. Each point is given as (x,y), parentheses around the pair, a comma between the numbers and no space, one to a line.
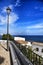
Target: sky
(26,17)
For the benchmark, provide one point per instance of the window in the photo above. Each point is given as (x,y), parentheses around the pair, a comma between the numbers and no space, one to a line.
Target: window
(37,49)
(42,50)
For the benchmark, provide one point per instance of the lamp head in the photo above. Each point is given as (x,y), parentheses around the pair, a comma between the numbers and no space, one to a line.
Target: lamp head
(8,10)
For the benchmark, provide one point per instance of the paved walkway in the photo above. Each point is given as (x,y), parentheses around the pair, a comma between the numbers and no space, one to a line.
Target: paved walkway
(4,55)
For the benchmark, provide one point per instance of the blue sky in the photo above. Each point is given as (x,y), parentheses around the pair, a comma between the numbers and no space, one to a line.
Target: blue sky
(26,17)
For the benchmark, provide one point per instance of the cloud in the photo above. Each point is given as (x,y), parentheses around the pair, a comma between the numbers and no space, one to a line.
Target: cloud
(2,19)
(36,29)
(4,8)
(39,25)
(17,3)
(11,6)
(13,17)
(35,32)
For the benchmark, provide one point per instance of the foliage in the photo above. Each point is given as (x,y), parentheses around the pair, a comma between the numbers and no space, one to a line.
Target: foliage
(4,37)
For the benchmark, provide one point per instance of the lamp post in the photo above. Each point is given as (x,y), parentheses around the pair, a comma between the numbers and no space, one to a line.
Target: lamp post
(8,13)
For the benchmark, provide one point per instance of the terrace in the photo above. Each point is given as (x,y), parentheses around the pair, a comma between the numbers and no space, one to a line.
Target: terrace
(18,55)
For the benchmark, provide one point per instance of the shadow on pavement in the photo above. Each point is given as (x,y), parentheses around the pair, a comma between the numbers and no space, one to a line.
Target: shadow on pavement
(1,60)
(3,47)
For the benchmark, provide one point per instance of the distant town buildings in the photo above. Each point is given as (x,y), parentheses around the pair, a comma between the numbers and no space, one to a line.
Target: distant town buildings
(37,47)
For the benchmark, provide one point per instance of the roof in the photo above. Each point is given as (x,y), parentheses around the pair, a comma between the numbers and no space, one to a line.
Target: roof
(22,42)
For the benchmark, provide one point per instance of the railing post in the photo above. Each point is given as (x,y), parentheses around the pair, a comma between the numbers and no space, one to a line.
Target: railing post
(31,56)
(36,59)
(39,61)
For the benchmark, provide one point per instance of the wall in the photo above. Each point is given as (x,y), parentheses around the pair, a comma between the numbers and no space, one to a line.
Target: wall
(3,41)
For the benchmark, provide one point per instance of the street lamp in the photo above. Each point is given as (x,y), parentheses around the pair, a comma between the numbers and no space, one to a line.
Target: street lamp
(8,13)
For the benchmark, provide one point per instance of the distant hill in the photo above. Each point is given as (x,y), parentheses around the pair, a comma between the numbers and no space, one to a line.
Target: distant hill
(0,37)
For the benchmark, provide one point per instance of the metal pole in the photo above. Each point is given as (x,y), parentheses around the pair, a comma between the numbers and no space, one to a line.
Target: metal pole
(7,31)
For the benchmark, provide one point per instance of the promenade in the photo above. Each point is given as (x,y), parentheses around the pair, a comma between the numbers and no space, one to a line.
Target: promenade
(4,55)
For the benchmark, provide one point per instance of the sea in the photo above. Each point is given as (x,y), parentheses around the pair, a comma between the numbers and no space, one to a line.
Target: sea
(36,38)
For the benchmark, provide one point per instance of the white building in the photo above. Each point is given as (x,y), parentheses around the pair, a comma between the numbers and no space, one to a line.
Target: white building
(19,38)
(37,48)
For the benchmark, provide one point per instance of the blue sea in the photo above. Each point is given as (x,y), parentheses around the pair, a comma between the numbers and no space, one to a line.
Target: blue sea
(36,38)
